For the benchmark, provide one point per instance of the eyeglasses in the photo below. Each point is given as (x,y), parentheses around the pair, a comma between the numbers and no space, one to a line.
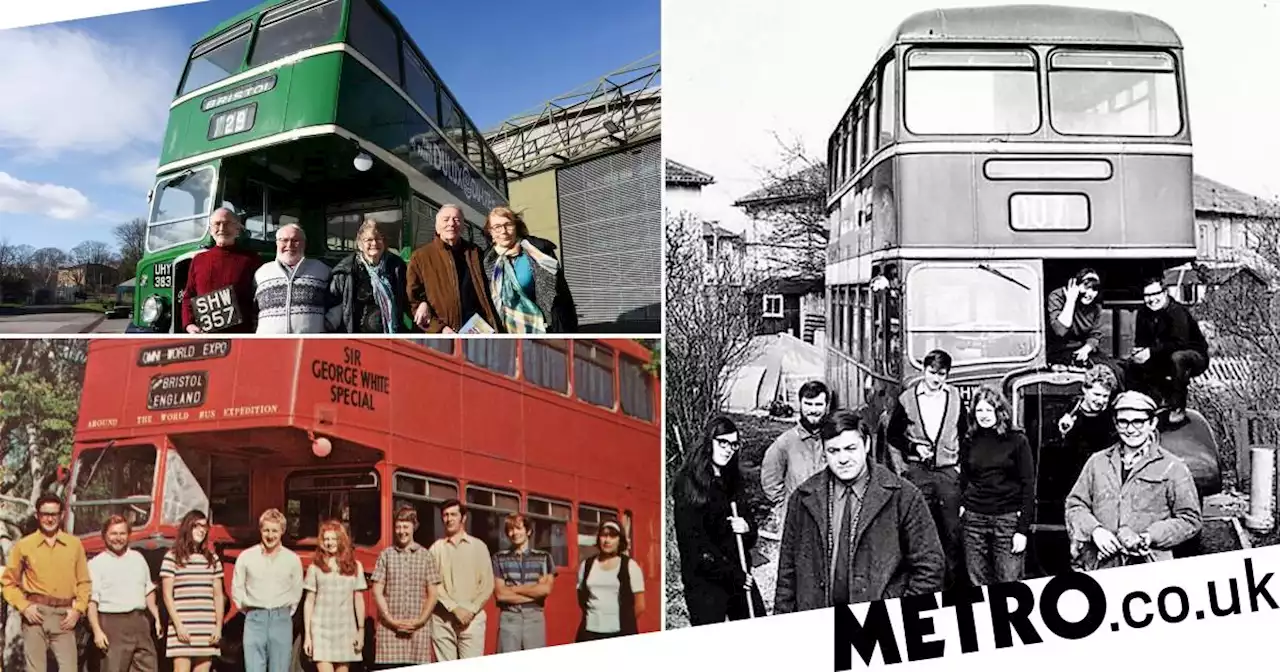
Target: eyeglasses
(735,444)
(48,514)
(1134,423)
(502,227)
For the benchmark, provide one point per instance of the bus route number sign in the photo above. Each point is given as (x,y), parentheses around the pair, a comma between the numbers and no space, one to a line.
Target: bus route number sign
(170,391)
(217,310)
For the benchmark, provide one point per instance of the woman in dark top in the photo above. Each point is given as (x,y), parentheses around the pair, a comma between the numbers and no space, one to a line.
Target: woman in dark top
(226,264)
(526,281)
(715,585)
(997,485)
(1075,321)
(369,287)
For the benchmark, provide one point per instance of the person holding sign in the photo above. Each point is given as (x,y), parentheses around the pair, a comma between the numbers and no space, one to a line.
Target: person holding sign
(369,288)
(446,279)
(1134,500)
(716,586)
(526,281)
(222,278)
(856,531)
(293,292)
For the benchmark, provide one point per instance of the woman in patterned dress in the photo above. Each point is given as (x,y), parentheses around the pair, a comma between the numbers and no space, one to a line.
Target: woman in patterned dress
(334,610)
(191,578)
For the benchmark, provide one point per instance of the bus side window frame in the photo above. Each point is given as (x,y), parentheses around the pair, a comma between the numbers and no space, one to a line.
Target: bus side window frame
(599,521)
(428,499)
(492,509)
(549,518)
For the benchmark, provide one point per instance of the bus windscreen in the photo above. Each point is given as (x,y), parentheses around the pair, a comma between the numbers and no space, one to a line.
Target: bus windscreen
(216,58)
(1125,94)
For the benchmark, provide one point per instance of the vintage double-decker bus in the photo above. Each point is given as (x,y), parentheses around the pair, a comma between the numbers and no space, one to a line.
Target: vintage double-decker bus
(313,112)
(563,431)
(990,154)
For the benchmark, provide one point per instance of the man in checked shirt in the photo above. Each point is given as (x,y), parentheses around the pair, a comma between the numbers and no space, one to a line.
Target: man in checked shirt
(522,580)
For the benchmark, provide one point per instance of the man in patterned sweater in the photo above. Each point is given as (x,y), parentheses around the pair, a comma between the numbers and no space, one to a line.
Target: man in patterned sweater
(293,291)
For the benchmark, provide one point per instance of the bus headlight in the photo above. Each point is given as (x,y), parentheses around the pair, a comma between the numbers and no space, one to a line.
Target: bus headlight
(151,309)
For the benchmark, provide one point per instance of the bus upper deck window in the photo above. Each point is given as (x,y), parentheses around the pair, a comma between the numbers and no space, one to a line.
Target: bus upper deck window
(295,27)
(217,58)
(971,92)
(1114,93)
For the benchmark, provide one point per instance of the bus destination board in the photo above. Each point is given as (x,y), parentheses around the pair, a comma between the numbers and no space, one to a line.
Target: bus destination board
(195,351)
(170,391)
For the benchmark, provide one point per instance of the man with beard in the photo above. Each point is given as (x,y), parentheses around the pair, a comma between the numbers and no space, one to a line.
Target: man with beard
(855,532)
(267,587)
(924,436)
(1134,500)
(226,264)
(1169,349)
(796,454)
(1075,321)
(47,581)
(457,627)
(293,291)
(405,582)
(523,577)
(122,595)
(446,279)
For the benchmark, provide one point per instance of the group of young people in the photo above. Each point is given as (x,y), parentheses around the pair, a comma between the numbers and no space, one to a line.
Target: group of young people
(449,285)
(428,602)
(951,497)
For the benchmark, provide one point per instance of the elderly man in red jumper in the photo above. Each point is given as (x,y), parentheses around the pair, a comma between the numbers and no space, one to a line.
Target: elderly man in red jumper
(226,264)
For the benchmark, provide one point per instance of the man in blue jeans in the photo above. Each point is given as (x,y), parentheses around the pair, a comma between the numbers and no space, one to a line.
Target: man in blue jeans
(267,587)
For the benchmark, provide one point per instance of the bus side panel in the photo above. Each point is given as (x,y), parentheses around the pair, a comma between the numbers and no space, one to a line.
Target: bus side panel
(1158,203)
(313,94)
(936,200)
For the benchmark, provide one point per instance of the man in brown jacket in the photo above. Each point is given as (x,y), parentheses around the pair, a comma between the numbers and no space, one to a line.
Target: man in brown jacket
(446,279)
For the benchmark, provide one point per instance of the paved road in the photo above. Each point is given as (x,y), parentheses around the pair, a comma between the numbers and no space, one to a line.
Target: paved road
(61,323)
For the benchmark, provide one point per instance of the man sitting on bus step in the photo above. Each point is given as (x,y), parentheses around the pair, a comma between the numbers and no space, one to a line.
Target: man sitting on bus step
(1134,500)
(293,292)
(523,577)
(226,264)
(446,279)
(1169,349)
(47,581)
(924,437)
(797,453)
(267,587)
(122,595)
(1075,321)
(457,627)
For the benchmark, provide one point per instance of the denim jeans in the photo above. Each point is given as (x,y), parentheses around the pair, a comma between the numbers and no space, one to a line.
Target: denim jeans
(988,548)
(268,640)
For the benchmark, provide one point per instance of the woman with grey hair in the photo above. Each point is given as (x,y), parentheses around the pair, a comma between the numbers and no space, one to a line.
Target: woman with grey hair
(368,287)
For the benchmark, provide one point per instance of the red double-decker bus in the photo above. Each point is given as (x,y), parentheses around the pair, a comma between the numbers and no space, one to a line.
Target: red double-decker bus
(565,431)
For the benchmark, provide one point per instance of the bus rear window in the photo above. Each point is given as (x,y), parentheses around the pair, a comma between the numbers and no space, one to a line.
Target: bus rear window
(976,312)
(964,92)
(1114,93)
(294,28)
(216,58)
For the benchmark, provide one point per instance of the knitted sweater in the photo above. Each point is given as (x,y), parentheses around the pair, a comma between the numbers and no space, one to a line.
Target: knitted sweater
(292,301)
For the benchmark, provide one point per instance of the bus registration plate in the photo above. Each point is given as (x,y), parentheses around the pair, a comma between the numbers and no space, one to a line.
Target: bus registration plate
(217,310)
(163,273)
(1049,212)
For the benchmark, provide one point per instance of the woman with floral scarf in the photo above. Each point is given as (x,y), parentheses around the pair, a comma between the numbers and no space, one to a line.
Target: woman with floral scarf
(526,280)
(369,288)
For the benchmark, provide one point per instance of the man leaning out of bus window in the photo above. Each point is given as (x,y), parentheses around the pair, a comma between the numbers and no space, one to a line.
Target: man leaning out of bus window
(293,291)
(1075,321)
(1134,501)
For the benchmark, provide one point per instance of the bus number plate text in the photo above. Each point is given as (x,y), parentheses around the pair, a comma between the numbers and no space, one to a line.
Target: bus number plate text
(169,391)
(164,275)
(217,310)
(1049,212)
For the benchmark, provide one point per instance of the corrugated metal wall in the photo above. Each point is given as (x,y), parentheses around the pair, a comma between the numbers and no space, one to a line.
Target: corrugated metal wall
(611,238)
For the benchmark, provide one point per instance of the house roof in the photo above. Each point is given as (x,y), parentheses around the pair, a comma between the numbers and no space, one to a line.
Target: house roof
(713,230)
(793,285)
(678,173)
(1212,196)
(1210,273)
(810,182)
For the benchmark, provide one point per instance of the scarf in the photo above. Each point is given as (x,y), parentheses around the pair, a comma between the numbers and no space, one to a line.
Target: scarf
(382,292)
(519,313)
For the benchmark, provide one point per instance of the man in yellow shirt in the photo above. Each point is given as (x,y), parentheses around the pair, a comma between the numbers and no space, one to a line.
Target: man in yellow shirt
(47,580)
(466,570)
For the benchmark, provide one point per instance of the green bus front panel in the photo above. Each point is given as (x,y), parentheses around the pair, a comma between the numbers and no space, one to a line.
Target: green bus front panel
(305,95)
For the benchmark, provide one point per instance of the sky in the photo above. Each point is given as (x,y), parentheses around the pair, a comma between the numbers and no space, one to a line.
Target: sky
(772,69)
(85,102)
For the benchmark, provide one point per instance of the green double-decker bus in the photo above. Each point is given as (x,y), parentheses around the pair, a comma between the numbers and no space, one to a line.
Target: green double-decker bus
(320,113)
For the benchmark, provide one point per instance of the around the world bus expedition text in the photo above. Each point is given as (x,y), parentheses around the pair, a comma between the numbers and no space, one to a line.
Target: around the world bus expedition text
(352,384)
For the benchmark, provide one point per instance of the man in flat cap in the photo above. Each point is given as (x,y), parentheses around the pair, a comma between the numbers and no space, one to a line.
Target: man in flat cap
(1135,501)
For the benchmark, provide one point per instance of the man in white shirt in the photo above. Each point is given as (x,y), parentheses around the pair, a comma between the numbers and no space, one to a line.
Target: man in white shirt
(122,590)
(457,627)
(267,587)
(292,292)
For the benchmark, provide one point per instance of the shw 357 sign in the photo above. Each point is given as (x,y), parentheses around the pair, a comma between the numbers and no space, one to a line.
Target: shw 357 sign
(217,310)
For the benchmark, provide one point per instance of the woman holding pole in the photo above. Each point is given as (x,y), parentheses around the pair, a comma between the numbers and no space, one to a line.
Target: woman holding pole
(714,540)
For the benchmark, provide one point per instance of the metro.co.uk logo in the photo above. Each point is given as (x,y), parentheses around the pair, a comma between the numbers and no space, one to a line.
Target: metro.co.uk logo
(1008,608)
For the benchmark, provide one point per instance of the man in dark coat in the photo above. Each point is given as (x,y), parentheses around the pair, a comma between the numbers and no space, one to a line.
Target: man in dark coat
(1169,349)
(855,532)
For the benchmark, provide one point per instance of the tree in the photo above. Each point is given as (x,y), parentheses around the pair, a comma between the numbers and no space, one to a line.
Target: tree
(92,252)
(40,382)
(790,207)
(44,266)
(132,237)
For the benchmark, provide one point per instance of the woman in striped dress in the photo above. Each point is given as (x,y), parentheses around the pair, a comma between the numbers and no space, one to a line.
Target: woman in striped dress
(191,577)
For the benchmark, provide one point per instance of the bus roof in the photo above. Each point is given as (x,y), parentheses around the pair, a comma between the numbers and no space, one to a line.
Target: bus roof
(1047,24)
